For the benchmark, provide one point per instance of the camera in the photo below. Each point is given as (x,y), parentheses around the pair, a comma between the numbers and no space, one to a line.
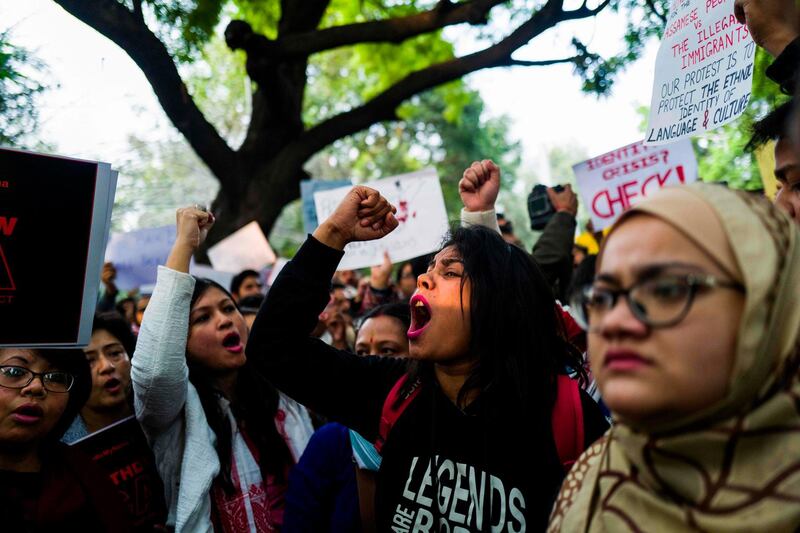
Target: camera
(540,209)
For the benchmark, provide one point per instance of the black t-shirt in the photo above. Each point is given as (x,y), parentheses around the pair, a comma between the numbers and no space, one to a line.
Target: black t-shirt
(485,466)
(495,469)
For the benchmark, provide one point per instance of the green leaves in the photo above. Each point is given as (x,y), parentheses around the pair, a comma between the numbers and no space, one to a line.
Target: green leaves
(183,25)
(444,128)
(19,90)
(644,22)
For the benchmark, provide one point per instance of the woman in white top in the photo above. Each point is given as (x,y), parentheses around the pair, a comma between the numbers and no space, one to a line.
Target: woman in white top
(224,438)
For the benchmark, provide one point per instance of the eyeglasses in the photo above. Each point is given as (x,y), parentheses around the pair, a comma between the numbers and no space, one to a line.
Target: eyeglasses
(657,302)
(19,377)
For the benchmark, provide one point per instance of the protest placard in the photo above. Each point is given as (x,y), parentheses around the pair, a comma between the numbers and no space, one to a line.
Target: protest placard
(307,190)
(610,183)
(246,248)
(420,211)
(703,73)
(55,214)
(137,254)
(122,453)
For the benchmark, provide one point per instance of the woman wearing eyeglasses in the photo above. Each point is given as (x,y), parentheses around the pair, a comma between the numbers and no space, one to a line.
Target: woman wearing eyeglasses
(693,338)
(43,484)
(111,397)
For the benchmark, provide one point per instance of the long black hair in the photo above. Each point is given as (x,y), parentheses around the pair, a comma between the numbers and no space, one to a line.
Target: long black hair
(72,361)
(516,335)
(254,407)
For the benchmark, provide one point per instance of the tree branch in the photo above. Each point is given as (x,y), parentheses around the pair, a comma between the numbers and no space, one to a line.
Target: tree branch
(542,63)
(137,10)
(301,15)
(585,12)
(383,106)
(394,30)
(122,26)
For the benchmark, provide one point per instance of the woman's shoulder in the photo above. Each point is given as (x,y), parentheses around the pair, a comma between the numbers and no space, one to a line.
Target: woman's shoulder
(333,437)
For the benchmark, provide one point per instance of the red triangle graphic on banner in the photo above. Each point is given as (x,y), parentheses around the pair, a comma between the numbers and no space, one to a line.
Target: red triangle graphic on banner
(6,280)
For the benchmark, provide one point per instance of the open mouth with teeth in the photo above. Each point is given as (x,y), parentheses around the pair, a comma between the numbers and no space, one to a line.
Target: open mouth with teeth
(233,342)
(420,316)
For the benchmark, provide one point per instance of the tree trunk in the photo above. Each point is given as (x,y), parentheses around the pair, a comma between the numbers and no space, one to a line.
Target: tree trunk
(267,192)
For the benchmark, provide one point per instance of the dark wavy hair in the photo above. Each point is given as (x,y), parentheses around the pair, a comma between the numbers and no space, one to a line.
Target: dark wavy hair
(255,406)
(114,323)
(773,126)
(515,332)
(238,279)
(73,361)
(397,310)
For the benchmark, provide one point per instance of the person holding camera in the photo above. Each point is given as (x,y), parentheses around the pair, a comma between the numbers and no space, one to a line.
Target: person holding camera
(479,187)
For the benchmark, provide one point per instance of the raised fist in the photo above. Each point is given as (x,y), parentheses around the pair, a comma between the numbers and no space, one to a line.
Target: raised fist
(479,186)
(192,227)
(363,215)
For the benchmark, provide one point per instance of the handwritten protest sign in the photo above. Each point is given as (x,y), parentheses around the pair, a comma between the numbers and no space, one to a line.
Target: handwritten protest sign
(704,71)
(420,211)
(55,215)
(137,254)
(611,183)
(246,248)
(307,190)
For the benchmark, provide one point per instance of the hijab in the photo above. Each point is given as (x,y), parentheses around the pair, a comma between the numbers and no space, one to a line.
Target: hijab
(734,466)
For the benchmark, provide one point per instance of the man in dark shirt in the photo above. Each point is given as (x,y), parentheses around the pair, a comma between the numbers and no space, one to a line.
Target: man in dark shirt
(775,27)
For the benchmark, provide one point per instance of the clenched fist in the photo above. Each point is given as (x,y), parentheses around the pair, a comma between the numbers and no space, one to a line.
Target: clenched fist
(363,215)
(480,185)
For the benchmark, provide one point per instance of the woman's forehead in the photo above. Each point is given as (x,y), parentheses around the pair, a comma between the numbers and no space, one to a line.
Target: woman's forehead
(382,324)
(448,252)
(22,357)
(644,241)
(211,296)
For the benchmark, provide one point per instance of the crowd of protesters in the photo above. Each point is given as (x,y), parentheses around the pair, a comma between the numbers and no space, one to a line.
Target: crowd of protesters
(654,386)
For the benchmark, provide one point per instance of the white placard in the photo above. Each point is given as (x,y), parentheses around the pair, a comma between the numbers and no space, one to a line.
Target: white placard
(611,183)
(420,211)
(246,248)
(704,71)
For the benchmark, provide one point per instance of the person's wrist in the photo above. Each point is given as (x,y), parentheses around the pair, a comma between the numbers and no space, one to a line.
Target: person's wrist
(179,257)
(478,208)
(183,246)
(330,235)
